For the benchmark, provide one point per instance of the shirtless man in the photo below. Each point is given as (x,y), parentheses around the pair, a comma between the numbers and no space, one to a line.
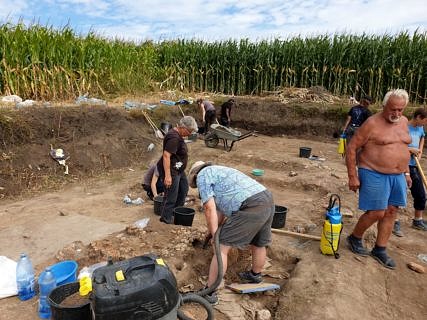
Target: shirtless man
(381,145)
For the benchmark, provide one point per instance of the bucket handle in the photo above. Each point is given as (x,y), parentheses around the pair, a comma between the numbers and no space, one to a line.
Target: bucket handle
(332,200)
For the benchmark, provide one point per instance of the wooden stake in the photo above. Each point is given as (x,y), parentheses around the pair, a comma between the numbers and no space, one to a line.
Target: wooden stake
(296,234)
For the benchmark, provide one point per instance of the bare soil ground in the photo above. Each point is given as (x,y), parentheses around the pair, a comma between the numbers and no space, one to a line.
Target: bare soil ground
(81,216)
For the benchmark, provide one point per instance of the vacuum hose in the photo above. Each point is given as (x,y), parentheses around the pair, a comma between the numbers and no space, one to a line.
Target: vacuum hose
(197,297)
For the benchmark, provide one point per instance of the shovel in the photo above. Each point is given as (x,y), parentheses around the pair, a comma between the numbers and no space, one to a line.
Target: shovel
(157,132)
(180,109)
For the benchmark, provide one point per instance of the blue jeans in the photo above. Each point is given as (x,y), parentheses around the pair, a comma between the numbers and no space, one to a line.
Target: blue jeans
(174,196)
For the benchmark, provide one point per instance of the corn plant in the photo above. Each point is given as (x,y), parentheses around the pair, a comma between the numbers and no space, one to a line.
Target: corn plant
(40,62)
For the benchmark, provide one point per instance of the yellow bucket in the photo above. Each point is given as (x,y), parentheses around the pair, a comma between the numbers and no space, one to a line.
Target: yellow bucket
(342,144)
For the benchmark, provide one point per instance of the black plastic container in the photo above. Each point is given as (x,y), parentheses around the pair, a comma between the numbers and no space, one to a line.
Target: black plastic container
(59,312)
(165,126)
(304,152)
(147,291)
(201,130)
(184,216)
(279,218)
(158,204)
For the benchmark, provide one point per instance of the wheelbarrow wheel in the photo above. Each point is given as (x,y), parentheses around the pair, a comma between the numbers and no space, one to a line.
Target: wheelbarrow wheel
(211,140)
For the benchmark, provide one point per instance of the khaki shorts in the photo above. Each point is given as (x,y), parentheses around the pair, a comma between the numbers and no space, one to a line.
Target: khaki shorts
(251,224)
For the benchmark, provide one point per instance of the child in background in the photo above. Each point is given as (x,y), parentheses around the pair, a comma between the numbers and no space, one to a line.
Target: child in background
(416,131)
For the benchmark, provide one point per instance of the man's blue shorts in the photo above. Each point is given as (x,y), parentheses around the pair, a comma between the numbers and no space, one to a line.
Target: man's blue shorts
(378,190)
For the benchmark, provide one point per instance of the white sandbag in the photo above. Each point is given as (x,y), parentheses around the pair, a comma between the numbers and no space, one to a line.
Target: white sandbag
(7,277)
(26,103)
(11,99)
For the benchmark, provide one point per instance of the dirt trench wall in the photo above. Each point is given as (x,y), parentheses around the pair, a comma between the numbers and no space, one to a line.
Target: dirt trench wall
(275,118)
(99,139)
(96,140)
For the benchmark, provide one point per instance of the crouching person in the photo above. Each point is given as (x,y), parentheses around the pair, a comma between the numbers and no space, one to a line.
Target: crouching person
(245,210)
(151,183)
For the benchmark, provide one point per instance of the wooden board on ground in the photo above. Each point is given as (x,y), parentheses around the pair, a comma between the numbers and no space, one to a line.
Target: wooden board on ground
(296,234)
(252,287)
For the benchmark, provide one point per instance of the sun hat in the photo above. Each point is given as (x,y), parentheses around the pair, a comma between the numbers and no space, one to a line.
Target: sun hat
(194,170)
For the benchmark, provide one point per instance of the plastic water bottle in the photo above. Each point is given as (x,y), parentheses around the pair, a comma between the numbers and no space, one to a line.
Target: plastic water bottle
(25,278)
(137,201)
(47,283)
(150,147)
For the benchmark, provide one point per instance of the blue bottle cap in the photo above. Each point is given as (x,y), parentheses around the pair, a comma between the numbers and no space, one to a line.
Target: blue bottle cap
(334,215)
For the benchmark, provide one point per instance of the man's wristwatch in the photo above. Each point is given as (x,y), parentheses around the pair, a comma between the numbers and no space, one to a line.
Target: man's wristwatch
(407,174)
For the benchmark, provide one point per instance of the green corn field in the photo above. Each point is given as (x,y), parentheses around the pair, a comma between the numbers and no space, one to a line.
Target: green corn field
(43,63)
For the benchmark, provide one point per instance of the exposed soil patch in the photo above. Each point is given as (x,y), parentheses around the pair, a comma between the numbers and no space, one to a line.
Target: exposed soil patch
(82,216)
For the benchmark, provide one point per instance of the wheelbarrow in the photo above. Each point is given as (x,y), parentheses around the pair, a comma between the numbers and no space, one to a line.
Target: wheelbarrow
(219,132)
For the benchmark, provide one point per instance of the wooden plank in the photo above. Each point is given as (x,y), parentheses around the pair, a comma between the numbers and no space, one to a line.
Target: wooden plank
(252,287)
(296,234)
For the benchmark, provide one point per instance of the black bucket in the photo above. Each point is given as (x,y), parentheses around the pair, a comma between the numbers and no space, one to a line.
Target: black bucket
(59,312)
(304,152)
(158,204)
(184,216)
(279,218)
(201,130)
(165,126)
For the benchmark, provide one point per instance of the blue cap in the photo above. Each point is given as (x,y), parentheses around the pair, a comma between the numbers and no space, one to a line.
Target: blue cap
(334,215)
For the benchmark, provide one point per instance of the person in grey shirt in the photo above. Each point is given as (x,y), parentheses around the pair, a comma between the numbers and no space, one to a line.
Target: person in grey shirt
(208,113)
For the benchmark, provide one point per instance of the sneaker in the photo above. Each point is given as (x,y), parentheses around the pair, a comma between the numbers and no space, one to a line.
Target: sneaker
(383,259)
(212,298)
(396,229)
(249,277)
(419,224)
(356,246)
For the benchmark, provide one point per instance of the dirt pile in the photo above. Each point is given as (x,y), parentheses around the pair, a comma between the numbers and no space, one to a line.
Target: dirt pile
(306,95)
